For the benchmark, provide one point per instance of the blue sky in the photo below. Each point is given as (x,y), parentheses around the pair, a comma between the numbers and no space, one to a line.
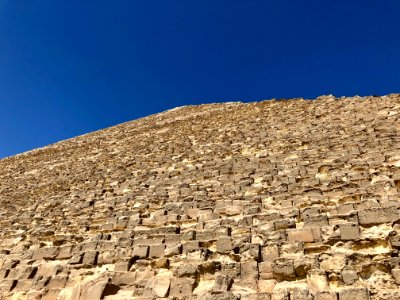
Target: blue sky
(71,67)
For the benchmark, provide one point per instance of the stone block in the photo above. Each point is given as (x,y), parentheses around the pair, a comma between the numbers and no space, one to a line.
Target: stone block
(156,251)
(317,281)
(224,245)
(161,286)
(90,258)
(283,269)
(24,285)
(187,270)
(265,270)
(354,294)
(396,275)
(65,252)
(349,231)
(378,215)
(172,250)
(58,281)
(299,294)
(284,224)
(139,252)
(8,285)
(266,285)
(46,253)
(349,276)
(325,295)
(307,235)
(222,284)
(269,253)
(249,270)
(316,220)
(232,269)
(182,287)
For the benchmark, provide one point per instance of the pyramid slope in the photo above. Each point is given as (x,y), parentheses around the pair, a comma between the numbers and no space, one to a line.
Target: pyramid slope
(291,199)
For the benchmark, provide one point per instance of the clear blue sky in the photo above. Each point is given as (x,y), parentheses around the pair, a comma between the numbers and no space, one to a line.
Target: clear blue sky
(71,67)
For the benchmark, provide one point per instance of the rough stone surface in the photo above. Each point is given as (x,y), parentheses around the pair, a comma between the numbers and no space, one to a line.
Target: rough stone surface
(292,199)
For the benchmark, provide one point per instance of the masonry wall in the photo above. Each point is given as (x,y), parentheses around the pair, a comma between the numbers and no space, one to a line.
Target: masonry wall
(292,199)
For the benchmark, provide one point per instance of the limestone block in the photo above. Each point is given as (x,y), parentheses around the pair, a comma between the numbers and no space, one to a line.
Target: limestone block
(224,245)
(303,264)
(283,269)
(222,296)
(58,281)
(326,295)
(316,220)
(349,231)
(181,287)
(394,241)
(307,235)
(190,246)
(378,215)
(222,284)
(265,270)
(65,252)
(8,285)
(76,259)
(396,275)
(250,251)
(354,294)
(24,285)
(266,285)
(335,262)
(269,253)
(280,294)
(140,252)
(51,294)
(172,250)
(162,263)
(90,258)
(46,253)
(124,278)
(162,286)
(317,281)
(187,270)
(232,269)
(284,224)
(299,294)
(156,251)
(349,276)
(93,290)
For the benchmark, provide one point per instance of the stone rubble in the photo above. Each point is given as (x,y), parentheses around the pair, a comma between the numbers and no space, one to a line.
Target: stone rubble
(288,200)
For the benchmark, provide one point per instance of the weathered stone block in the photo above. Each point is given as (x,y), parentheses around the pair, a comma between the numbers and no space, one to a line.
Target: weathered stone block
(224,245)
(325,295)
(265,270)
(161,286)
(307,235)
(283,269)
(350,231)
(187,270)
(140,252)
(378,215)
(349,276)
(46,253)
(90,258)
(269,253)
(222,284)
(354,294)
(182,287)
(156,251)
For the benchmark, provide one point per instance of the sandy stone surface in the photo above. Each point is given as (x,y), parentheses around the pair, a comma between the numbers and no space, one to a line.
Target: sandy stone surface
(290,200)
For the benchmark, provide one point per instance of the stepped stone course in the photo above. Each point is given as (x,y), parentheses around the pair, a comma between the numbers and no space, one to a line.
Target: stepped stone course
(288,200)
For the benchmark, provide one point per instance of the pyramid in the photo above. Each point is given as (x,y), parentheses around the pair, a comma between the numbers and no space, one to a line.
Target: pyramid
(291,199)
